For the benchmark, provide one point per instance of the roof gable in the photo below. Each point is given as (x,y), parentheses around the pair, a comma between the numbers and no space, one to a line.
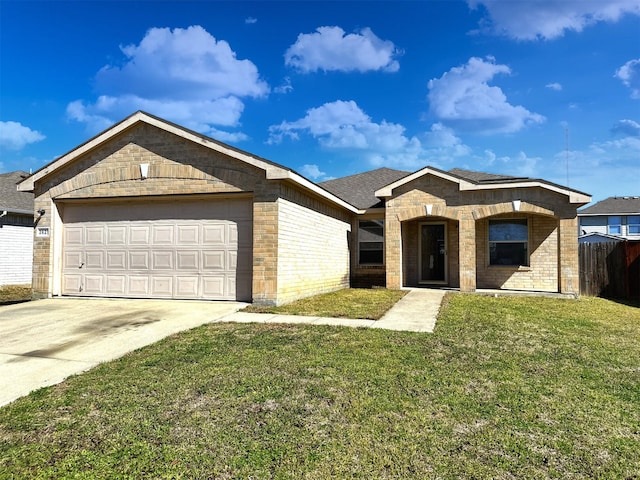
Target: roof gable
(468,180)
(273,171)
(11,199)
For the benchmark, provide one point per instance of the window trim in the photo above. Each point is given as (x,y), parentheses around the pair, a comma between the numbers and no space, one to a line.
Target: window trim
(526,242)
(380,222)
(636,225)
(619,224)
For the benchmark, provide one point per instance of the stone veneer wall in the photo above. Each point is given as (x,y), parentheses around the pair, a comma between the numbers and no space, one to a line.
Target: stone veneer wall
(470,210)
(542,272)
(176,167)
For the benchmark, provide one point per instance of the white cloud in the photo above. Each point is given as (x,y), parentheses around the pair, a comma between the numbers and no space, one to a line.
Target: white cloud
(184,75)
(626,127)
(14,135)
(554,86)
(548,19)
(328,48)
(629,73)
(250,20)
(343,127)
(313,172)
(462,98)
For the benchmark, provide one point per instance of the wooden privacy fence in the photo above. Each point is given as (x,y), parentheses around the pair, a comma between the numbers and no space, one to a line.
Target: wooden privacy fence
(610,269)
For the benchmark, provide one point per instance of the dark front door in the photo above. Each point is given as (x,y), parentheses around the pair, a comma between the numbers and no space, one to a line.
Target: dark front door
(433,253)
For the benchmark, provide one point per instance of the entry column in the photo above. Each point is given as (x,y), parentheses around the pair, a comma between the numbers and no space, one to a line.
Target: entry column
(393,251)
(467,252)
(568,256)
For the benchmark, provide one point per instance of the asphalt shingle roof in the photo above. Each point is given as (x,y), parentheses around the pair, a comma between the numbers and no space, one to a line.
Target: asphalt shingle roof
(359,189)
(482,177)
(10,198)
(613,206)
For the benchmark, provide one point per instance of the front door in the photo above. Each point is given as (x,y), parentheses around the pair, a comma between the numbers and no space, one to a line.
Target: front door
(433,253)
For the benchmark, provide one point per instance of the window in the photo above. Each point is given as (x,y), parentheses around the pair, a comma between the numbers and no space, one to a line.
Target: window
(508,242)
(371,242)
(633,222)
(614,225)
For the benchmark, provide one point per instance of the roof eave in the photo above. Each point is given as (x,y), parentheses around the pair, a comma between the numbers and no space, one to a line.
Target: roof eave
(28,184)
(575,197)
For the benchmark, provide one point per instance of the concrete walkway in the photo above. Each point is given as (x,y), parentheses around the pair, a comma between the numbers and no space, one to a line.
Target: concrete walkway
(415,312)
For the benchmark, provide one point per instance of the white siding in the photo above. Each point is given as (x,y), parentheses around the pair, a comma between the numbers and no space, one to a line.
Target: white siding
(16,254)
(313,252)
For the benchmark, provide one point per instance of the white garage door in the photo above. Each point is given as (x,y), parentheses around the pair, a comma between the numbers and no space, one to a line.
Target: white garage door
(159,249)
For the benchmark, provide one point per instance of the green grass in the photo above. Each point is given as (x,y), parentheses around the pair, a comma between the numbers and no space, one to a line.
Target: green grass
(347,303)
(526,388)
(14,294)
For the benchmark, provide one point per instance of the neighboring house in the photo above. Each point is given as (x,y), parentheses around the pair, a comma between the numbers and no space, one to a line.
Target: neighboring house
(150,209)
(615,216)
(16,230)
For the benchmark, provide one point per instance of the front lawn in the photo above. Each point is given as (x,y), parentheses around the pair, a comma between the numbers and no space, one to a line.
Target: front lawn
(361,303)
(526,388)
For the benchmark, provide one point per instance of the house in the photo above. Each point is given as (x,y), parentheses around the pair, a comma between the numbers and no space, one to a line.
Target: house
(16,230)
(148,208)
(615,216)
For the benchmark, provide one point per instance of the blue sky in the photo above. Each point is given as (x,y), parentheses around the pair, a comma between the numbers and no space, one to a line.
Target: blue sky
(546,89)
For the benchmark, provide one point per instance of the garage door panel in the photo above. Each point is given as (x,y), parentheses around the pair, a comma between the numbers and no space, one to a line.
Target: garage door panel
(213,286)
(139,285)
(116,260)
(213,260)
(93,284)
(72,283)
(95,236)
(214,234)
(139,260)
(94,260)
(162,235)
(187,286)
(188,260)
(188,234)
(178,249)
(139,234)
(232,260)
(116,285)
(72,259)
(116,235)
(162,260)
(73,235)
(162,286)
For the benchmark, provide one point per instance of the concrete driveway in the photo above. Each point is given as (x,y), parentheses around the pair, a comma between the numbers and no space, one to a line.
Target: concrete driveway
(44,341)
